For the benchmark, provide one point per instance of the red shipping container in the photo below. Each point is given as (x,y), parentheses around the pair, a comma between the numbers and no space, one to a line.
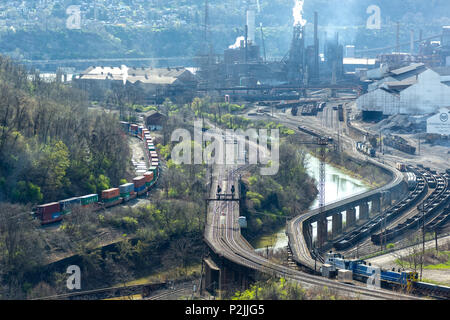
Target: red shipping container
(110,193)
(139,181)
(48,217)
(148,176)
(49,208)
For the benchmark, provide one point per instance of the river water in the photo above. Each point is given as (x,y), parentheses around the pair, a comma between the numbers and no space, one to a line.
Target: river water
(338,186)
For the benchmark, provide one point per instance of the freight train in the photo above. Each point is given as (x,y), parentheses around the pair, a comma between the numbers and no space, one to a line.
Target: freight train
(54,212)
(432,206)
(363,271)
(309,110)
(341,113)
(399,143)
(366,149)
(351,239)
(411,179)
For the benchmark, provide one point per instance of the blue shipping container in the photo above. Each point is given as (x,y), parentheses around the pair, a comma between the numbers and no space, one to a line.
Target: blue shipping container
(140,188)
(69,203)
(126,188)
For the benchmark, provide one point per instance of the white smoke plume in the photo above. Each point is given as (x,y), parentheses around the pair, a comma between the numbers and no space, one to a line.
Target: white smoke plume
(298,13)
(237,43)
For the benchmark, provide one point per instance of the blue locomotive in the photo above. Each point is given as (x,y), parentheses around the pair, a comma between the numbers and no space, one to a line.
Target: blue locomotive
(362,271)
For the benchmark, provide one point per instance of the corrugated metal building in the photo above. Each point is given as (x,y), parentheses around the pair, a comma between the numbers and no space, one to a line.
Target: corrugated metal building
(410,90)
(152,85)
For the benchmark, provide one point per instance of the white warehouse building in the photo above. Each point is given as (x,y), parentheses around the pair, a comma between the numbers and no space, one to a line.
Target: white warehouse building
(413,90)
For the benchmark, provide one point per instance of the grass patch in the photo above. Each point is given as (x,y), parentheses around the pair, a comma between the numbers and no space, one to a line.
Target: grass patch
(172,274)
(438,283)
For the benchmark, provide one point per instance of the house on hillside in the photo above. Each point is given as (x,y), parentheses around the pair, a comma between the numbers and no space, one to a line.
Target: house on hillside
(154,120)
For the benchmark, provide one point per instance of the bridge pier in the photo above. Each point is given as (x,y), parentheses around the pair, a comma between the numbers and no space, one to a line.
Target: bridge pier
(228,276)
(376,206)
(322,231)
(387,199)
(364,211)
(350,218)
(336,225)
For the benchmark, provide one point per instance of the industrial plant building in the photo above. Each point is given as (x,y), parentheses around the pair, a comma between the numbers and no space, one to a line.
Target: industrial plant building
(415,89)
(150,85)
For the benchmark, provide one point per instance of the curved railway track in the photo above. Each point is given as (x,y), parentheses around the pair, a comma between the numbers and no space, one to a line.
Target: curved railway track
(296,234)
(223,235)
(432,206)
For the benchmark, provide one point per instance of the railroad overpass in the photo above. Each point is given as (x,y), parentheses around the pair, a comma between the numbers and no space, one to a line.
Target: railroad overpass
(299,229)
(232,263)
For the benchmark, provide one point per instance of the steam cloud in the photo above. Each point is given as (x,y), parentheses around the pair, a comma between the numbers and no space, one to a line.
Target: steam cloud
(298,13)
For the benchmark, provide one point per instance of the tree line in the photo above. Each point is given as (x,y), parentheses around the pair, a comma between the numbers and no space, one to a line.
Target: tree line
(51,145)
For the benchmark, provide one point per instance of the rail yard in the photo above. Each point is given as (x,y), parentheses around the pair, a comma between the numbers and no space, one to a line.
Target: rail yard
(249,150)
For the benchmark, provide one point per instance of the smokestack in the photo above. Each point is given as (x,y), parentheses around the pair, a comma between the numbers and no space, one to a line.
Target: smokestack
(411,47)
(251,26)
(398,38)
(316,46)
(246,43)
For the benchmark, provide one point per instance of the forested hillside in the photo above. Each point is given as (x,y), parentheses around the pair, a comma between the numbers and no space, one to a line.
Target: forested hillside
(51,147)
(176,28)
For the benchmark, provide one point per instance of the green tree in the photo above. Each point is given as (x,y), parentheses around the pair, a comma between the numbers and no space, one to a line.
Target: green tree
(50,168)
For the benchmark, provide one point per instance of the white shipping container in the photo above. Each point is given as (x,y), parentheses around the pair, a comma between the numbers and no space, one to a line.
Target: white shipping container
(345,275)
(242,222)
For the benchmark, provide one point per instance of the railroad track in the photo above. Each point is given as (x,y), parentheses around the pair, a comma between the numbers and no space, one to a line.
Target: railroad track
(396,214)
(224,237)
(432,207)
(164,295)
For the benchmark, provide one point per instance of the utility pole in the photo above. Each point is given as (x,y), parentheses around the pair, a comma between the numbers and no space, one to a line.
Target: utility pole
(436,240)
(422,210)
(384,223)
(419,145)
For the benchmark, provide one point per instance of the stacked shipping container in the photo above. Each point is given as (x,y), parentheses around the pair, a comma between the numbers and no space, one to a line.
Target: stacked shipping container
(110,195)
(50,212)
(89,200)
(139,184)
(68,204)
(53,212)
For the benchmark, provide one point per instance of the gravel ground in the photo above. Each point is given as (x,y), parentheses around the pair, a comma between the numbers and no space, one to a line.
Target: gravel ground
(387,261)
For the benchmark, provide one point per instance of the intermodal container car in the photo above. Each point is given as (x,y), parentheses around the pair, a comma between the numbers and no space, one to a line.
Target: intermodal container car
(126,188)
(68,204)
(89,199)
(110,194)
(48,208)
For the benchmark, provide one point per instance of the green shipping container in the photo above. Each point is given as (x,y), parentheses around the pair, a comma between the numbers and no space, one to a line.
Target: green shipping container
(125,195)
(111,200)
(90,199)
(154,170)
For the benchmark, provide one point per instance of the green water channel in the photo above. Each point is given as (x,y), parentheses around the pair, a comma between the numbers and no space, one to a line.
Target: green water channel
(338,186)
